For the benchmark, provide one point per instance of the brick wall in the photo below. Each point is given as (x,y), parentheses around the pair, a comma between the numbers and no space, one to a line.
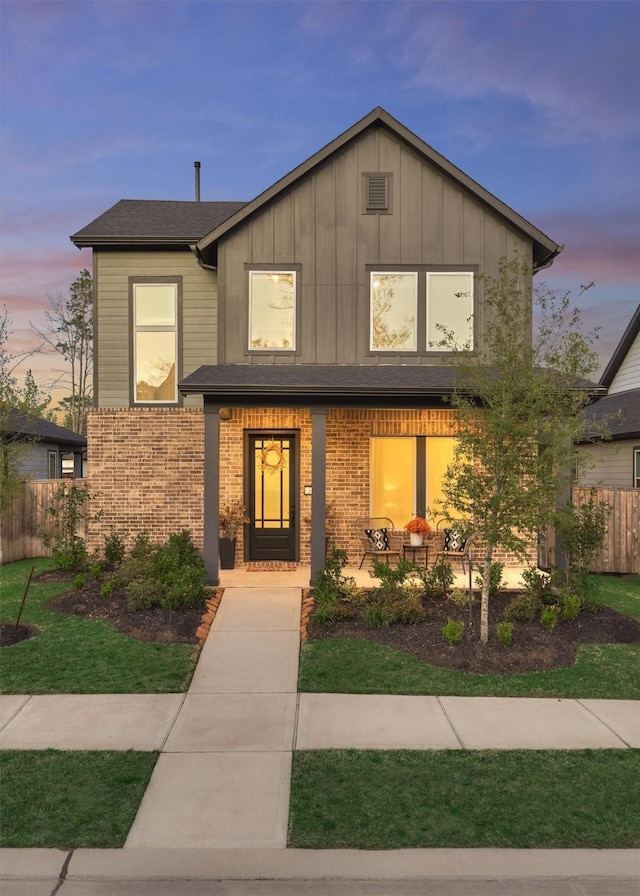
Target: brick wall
(145,471)
(146,466)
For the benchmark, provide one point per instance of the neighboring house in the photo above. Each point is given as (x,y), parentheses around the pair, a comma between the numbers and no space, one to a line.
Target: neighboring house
(616,463)
(283,351)
(49,449)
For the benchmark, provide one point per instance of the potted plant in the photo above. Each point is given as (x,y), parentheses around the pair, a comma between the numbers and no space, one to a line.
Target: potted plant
(231,517)
(417,528)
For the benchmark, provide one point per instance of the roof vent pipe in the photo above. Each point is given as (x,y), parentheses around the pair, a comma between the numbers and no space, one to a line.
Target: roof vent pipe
(196,165)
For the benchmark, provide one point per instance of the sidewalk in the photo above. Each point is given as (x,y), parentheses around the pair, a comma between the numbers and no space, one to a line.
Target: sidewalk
(222,781)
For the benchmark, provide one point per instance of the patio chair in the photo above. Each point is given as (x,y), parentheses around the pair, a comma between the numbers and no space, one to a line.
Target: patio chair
(377,539)
(455,543)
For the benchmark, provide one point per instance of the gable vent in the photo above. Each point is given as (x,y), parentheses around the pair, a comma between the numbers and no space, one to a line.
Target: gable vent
(376,192)
(377,198)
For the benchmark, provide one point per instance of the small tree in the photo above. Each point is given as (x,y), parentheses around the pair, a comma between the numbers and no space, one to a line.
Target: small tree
(17,404)
(68,332)
(520,408)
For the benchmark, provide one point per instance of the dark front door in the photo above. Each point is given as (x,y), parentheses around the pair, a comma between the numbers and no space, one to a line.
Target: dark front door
(271,472)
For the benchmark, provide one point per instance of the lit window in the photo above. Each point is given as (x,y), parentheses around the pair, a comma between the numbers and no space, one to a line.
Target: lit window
(406,475)
(272,310)
(155,345)
(449,306)
(393,311)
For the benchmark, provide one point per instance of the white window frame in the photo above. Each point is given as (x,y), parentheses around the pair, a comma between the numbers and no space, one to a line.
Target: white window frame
(636,466)
(52,456)
(289,272)
(148,328)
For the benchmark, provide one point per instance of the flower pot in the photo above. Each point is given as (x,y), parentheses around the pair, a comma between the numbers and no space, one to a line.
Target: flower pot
(227,547)
(415,538)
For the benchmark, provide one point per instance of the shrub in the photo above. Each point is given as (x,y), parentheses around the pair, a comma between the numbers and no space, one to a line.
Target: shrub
(142,547)
(460,597)
(538,585)
(95,571)
(140,596)
(453,632)
(68,509)
(113,549)
(495,579)
(504,633)
(80,581)
(571,606)
(549,616)
(107,589)
(170,575)
(329,613)
(409,610)
(438,579)
(378,614)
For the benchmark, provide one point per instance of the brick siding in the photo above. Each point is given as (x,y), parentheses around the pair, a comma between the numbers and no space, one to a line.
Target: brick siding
(146,467)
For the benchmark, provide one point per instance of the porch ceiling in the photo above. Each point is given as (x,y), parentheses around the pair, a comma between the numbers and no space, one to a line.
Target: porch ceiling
(382,385)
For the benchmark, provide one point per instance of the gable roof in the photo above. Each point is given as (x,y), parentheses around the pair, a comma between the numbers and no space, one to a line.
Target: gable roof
(620,353)
(544,248)
(22,425)
(154,222)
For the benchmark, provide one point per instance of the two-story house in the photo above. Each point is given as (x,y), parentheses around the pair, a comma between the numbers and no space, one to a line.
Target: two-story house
(284,351)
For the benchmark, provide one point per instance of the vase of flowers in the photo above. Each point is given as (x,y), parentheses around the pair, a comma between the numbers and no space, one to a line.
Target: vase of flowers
(231,518)
(417,528)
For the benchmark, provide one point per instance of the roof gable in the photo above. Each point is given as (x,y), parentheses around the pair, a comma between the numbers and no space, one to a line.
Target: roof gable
(628,338)
(544,248)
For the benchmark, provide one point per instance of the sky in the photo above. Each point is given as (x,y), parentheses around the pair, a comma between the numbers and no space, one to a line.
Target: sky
(102,100)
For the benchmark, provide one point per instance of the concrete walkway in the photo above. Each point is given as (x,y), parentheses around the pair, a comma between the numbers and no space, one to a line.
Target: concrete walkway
(222,781)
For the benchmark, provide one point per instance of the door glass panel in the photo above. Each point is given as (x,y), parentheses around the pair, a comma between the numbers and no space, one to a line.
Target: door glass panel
(272,489)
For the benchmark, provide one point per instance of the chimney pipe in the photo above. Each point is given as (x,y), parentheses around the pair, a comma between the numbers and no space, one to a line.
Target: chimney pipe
(196,165)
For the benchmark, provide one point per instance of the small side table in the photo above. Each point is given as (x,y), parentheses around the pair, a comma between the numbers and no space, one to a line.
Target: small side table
(413,550)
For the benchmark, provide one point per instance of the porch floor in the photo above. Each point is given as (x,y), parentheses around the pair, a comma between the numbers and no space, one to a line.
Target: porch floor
(243,577)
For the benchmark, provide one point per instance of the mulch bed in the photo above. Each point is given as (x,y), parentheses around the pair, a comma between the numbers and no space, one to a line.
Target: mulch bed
(10,633)
(533,649)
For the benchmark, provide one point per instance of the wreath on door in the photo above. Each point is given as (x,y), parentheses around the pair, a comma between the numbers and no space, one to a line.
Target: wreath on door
(274,458)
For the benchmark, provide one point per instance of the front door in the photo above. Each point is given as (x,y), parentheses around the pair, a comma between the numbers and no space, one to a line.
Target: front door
(271,470)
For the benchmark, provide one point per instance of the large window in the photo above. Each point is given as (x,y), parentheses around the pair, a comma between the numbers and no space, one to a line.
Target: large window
(155,342)
(272,310)
(406,475)
(449,305)
(411,310)
(393,311)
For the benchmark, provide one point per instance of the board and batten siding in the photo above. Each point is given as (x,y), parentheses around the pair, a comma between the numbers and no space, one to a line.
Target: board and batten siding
(319,225)
(628,375)
(112,270)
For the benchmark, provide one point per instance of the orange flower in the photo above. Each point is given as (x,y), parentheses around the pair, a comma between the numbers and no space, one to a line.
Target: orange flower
(419,525)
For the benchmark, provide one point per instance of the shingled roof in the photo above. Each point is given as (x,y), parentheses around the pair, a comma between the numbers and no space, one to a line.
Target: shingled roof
(154,222)
(21,425)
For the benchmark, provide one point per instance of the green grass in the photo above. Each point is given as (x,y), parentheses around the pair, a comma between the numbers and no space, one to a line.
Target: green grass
(365,667)
(77,655)
(622,593)
(362,799)
(71,799)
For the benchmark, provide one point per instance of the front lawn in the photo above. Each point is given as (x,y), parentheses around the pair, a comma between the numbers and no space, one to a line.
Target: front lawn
(71,799)
(77,655)
(366,799)
(362,666)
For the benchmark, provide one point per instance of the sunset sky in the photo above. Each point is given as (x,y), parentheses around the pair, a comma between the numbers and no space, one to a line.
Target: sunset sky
(537,101)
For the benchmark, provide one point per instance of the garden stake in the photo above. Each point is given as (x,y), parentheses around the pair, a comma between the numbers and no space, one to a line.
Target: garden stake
(24,597)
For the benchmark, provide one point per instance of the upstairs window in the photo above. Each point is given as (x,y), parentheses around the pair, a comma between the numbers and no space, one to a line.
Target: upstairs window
(393,311)
(272,311)
(155,342)
(408,309)
(449,305)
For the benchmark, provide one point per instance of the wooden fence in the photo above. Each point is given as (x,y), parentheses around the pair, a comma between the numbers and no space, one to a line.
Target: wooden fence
(621,550)
(26,519)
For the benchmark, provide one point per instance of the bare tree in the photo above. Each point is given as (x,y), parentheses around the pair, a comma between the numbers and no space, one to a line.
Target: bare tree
(68,332)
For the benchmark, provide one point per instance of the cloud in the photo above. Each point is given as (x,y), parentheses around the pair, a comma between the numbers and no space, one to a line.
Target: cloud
(576,71)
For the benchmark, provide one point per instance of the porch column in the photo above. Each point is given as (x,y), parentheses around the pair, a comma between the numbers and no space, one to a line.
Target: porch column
(318,488)
(211,490)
